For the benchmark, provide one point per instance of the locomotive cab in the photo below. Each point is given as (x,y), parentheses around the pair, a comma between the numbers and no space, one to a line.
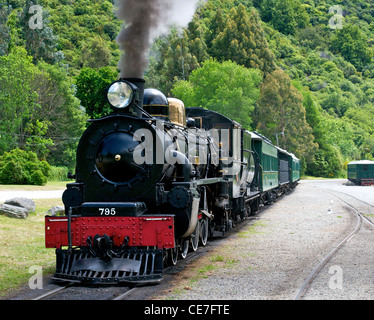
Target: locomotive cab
(156,104)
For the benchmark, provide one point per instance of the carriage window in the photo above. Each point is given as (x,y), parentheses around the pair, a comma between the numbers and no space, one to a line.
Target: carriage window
(365,168)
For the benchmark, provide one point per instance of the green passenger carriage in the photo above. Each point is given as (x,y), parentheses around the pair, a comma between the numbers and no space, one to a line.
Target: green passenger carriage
(295,169)
(267,174)
(361,172)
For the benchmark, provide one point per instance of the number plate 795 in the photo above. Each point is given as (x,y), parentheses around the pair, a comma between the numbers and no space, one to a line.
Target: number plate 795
(107,211)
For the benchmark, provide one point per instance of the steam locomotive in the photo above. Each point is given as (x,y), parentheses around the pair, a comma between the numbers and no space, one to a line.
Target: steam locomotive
(154,180)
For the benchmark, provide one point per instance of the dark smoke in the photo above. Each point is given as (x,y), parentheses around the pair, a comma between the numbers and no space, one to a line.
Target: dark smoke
(146,20)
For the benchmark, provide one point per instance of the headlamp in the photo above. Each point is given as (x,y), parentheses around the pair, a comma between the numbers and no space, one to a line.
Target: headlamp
(121,94)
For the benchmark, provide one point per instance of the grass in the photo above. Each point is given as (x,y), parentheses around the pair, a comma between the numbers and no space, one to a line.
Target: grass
(252,229)
(201,270)
(52,185)
(321,178)
(22,246)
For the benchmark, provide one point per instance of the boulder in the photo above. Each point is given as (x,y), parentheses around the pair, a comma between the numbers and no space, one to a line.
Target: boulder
(26,203)
(56,211)
(14,211)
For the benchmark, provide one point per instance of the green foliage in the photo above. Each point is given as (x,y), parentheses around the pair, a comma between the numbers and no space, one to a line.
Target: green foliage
(351,43)
(95,53)
(18,97)
(41,43)
(225,87)
(327,163)
(62,109)
(85,26)
(286,16)
(176,60)
(23,167)
(58,173)
(39,110)
(35,139)
(242,40)
(91,86)
(280,109)
(5,31)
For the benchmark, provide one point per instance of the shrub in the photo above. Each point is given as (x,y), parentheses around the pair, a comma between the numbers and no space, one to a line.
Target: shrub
(58,173)
(23,167)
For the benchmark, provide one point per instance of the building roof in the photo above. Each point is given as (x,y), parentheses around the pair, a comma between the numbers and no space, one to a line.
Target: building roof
(361,162)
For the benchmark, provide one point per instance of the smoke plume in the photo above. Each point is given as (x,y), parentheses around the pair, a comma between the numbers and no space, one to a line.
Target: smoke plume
(144,21)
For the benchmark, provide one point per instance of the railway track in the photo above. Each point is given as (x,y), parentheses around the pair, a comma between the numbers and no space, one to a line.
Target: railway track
(52,292)
(360,217)
(115,292)
(125,292)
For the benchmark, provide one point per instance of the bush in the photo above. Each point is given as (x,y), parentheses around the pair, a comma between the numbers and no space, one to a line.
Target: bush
(58,173)
(23,167)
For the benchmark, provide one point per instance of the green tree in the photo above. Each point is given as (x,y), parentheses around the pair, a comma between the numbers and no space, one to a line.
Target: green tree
(91,88)
(227,88)
(18,99)
(243,41)
(96,54)
(280,110)
(351,43)
(327,163)
(341,133)
(196,32)
(62,112)
(216,26)
(39,110)
(78,24)
(4,29)
(175,61)
(36,140)
(41,43)
(288,16)
(285,15)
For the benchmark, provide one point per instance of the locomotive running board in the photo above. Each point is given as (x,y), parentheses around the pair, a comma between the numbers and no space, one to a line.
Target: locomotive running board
(133,266)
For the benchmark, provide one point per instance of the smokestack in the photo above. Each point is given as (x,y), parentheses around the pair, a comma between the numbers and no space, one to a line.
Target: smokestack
(145,20)
(140,83)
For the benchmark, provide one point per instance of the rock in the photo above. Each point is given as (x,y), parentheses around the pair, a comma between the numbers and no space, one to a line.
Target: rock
(14,211)
(18,208)
(26,203)
(56,211)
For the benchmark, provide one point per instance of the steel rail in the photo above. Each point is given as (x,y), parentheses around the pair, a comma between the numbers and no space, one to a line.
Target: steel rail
(308,281)
(125,294)
(52,292)
(359,200)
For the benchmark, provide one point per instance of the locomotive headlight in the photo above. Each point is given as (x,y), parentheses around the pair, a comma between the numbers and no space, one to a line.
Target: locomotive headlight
(121,94)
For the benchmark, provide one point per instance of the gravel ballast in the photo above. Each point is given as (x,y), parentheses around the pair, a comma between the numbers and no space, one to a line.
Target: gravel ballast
(274,252)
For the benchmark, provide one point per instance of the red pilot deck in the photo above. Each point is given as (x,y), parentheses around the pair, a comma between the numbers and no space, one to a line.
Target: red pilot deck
(140,231)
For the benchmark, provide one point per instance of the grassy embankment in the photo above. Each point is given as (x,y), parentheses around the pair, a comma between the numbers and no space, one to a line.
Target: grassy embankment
(22,241)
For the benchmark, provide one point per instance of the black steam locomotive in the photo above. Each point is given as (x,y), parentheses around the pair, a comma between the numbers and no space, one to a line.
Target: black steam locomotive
(153,182)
